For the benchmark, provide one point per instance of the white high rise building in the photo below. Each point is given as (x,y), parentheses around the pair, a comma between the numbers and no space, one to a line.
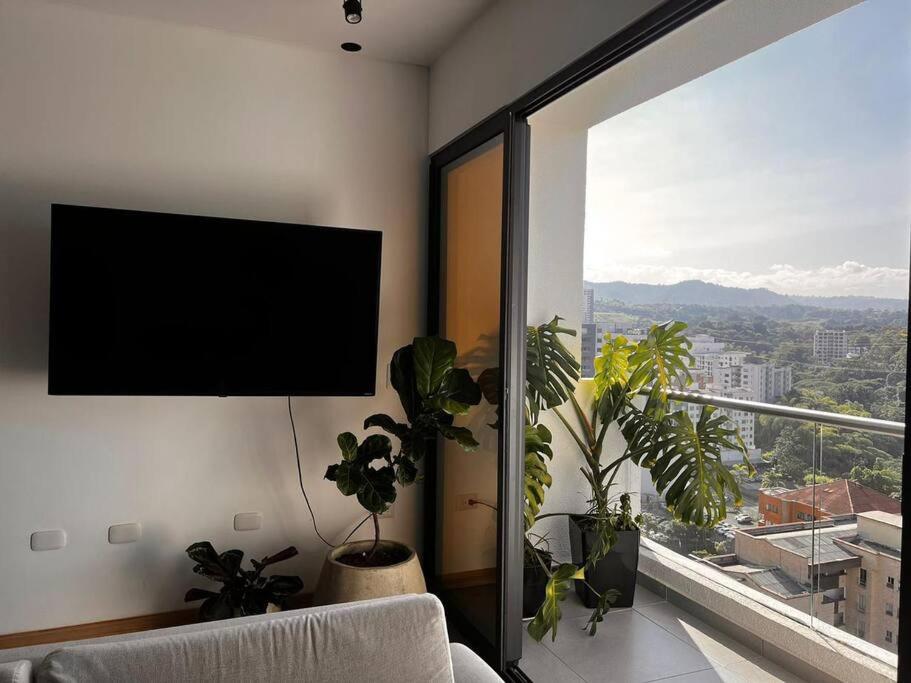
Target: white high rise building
(830,345)
(765,382)
(588,305)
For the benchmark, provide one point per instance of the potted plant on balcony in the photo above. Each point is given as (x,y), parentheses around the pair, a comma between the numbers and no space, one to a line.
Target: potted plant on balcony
(550,372)
(432,392)
(683,457)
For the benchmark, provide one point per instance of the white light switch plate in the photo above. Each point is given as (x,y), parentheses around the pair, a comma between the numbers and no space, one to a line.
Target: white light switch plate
(53,539)
(248,521)
(124,533)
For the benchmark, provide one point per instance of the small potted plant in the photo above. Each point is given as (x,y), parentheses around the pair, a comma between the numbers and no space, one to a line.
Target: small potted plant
(243,591)
(432,392)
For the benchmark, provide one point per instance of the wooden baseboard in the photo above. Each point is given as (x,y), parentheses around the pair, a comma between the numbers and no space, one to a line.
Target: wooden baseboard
(97,629)
(469,579)
(116,627)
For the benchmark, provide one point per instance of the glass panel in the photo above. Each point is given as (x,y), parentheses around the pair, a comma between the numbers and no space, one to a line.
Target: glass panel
(472,212)
(857,557)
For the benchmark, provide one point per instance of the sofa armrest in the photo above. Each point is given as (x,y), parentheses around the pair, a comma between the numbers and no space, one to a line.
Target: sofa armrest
(467,667)
(16,672)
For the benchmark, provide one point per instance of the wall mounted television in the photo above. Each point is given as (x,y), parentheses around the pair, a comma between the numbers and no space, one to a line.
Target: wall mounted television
(157,304)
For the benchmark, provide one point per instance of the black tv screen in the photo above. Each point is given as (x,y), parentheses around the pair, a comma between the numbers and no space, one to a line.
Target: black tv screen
(163,304)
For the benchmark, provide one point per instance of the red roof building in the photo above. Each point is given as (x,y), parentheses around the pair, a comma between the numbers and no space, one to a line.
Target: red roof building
(841,497)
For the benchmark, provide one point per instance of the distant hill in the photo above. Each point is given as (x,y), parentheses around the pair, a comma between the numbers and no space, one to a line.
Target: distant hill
(708,294)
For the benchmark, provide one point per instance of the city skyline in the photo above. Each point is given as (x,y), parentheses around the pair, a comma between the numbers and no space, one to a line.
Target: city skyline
(763,174)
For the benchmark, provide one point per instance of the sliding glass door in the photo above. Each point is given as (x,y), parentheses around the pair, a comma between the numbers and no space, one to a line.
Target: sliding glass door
(469,495)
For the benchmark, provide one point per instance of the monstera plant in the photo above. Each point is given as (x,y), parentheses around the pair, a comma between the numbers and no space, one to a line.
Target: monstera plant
(432,392)
(550,372)
(630,391)
(243,591)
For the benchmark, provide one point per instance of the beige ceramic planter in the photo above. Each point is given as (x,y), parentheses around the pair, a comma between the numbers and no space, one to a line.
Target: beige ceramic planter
(343,583)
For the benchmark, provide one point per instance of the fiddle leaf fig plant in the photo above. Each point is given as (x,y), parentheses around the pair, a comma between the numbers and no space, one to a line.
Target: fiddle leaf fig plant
(243,591)
(432,392)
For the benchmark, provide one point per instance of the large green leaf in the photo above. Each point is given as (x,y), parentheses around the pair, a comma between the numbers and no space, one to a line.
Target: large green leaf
(374,447)
(537,478)
(347,442)
(687,469)
(378,490)
(406,472)
(457,393)
(551,370)
(489,382)
(461,435)
(433,360)
(386,423)
(613,365)
(548,615)
(662,359)
(347,476)
(403,380)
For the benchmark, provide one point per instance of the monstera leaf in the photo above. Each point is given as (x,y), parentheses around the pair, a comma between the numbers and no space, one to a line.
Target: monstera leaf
(548,615)
(687,469)
(662,359)
(537,478)
(551,370)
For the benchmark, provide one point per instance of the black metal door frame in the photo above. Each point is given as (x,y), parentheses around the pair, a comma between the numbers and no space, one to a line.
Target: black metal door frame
(512,123)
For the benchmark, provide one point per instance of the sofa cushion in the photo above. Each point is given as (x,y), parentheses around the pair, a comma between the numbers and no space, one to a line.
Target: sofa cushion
(393,639)
(16,672)
(467,667)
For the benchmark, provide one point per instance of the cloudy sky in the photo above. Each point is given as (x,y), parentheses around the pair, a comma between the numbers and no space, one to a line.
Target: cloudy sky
(788,169)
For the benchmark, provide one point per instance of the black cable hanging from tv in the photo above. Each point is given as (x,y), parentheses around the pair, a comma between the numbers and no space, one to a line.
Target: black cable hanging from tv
(300,479)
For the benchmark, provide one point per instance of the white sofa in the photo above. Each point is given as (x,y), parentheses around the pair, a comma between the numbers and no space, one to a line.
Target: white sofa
(393,639)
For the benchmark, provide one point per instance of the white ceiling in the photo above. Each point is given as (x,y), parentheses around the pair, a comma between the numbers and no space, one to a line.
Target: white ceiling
(409,31)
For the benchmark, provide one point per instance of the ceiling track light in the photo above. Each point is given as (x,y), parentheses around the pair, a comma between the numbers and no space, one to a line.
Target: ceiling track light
(353,11)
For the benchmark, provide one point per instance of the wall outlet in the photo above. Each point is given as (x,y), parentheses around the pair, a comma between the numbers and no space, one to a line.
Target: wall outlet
(53,539)
(463,504)
(124,533)
(248,521)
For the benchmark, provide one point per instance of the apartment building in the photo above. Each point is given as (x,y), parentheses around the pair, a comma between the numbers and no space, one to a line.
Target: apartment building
(781,562)
(765,382)
(872,587)
(830,345)
(588,306)
(841,497)
(845,570)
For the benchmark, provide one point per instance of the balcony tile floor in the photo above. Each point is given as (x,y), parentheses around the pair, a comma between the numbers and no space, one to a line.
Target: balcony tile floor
(652,641)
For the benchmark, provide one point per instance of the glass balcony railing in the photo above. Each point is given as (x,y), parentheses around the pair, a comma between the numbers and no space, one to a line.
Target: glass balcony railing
(817,534)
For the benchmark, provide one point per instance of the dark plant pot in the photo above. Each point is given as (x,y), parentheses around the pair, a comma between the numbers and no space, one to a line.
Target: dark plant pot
(615,570)
(534,581)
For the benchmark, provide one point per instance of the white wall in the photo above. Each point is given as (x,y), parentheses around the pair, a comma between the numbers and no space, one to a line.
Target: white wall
(511,48)
(104,110)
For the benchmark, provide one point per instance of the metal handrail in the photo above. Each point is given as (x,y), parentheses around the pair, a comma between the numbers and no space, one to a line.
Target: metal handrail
(867,424)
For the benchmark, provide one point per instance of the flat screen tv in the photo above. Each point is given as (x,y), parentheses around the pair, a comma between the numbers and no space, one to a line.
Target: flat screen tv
(158,304)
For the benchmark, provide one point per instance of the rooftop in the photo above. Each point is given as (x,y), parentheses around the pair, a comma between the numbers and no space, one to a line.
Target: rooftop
(841,497)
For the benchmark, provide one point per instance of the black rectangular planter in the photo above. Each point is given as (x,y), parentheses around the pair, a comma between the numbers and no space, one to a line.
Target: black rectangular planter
(534,583)
(615,570)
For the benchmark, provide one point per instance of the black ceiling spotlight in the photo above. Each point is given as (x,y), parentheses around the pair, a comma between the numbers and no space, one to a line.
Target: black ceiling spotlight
(353,11)
(351,47)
